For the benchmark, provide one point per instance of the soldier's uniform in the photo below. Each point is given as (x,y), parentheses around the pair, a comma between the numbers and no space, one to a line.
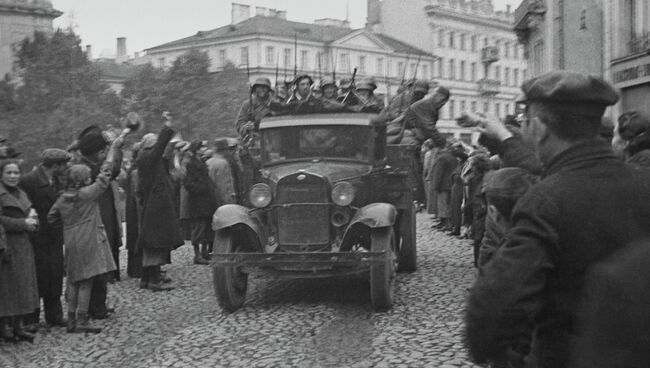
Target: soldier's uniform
(587,205)
(253,110)
(372,104)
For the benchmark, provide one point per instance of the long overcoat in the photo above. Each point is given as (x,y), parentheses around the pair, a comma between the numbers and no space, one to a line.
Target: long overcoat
(48,241)
(576,216)
(87,251)
(201,197)
(160,228)
(18,286)
(443,166)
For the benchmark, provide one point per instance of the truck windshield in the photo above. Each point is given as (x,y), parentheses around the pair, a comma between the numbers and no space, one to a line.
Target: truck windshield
(305,142)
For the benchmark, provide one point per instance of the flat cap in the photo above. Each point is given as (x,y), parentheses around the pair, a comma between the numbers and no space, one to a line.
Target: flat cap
(52,156)
(221,144)
(583,94)
(632,124)
(511,182)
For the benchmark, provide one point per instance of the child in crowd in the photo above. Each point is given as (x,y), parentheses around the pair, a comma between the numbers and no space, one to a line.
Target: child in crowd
(502,188)
(87,251)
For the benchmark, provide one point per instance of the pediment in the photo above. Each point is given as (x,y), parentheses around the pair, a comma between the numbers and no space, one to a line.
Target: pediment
(362,40)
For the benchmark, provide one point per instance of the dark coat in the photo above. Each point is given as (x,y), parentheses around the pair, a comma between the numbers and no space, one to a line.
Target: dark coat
(443,167)
(18,285)
(613,319)
(456,199)
(159,227)
(48,241)
(201,196)
(576,216)
(641,158)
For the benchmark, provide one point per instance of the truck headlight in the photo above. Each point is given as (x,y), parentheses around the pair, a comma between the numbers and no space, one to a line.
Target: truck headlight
(343,193)
(260,195)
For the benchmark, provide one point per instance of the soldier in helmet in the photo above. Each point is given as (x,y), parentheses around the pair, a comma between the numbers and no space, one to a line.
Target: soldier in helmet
(367,101)
(408,96)
(254,109)
(329,88)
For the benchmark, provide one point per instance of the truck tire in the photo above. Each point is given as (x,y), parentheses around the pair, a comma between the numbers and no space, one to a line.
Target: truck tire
(407,249)
(382,275)
(230,283)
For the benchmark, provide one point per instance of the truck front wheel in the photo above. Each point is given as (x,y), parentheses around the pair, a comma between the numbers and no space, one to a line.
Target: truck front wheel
(407,249)
(382,275)
(230,283)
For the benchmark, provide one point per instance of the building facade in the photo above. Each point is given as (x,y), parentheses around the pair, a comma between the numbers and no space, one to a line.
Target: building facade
(18,20)
(480,58)
(267,43)
(607,38)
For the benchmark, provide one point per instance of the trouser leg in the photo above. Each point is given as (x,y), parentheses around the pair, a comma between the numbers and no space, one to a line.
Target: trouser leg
(53,309)
(97,305)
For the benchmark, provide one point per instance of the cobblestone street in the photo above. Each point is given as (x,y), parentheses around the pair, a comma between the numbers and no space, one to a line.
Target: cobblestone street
(297,323)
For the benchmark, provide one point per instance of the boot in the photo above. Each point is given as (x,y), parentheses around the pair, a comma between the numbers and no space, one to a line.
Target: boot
(71,324)
(155,281)
(6,334)
(198,257)
(83,324)
(19,331)
(205,252)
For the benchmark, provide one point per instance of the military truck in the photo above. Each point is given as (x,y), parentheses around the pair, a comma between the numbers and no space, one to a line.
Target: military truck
(333,199)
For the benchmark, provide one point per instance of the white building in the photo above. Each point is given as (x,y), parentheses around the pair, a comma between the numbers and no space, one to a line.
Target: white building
(268,40)
(480,58)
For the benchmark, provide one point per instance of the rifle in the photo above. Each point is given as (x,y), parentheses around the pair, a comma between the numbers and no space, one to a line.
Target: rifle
(408,56)
(351,91)
(277,70)
(295,54)
(415,73)
(336,57)
(319,69)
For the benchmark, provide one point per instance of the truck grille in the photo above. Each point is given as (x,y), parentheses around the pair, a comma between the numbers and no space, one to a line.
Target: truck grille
(305,221)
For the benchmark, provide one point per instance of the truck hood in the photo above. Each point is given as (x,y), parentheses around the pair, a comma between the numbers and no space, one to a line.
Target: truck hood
(331,170)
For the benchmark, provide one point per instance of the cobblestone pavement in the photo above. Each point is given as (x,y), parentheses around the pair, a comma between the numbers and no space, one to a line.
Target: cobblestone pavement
(297,323)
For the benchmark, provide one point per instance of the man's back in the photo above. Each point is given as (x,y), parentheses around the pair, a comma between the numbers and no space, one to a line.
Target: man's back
(589,205)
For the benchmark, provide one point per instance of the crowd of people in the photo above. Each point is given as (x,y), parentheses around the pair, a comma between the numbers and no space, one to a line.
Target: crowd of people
(65,217)
(545,197)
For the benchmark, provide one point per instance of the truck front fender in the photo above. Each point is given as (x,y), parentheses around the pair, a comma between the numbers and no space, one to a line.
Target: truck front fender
(372,216)
(230,215)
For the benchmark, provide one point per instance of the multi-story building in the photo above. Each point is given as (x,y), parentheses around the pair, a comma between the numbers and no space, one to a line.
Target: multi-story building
(18,20)
(608,38)
(268,42)
(480,58)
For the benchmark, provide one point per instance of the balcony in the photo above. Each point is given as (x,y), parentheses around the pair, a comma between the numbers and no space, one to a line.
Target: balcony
(640,44)
(489,86)
(489,55)
(528,16)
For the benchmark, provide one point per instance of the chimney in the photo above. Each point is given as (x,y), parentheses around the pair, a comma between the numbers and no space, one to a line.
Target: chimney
(260,10)
(374,12)
(121,50)
(89,52)
(273,13)
(281,14)
(136,55)
(240,13)
(508,8)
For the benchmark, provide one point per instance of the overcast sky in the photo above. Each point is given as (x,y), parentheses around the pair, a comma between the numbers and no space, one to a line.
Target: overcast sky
(147,23)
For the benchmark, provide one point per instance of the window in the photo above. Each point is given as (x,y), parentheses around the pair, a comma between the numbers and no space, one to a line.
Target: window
(473,72)
(507,76)
(524,73)
(413,66)
(516,50)
(497,109)
(497,73)
(425,71)
(400,68)
(244,55)
(318,61)
(473,106)
(462,70)
(345,63)
(270,55)
(380,66)
(304,61)
(498,45)
(441,37)
(161,62)
(462,41)
(506,50)
(452,111)
(286,57)
(452,69)
(466,137)
(441,66)
(451,40)
(473,43)
(362,64)
(462,106)
(516,78)
(223,59)
(485,107)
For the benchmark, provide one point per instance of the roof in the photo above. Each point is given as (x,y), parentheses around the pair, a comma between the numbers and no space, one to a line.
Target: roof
(272,26)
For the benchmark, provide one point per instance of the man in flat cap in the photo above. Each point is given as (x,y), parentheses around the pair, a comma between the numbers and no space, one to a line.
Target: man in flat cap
(522,308)
(42,187)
